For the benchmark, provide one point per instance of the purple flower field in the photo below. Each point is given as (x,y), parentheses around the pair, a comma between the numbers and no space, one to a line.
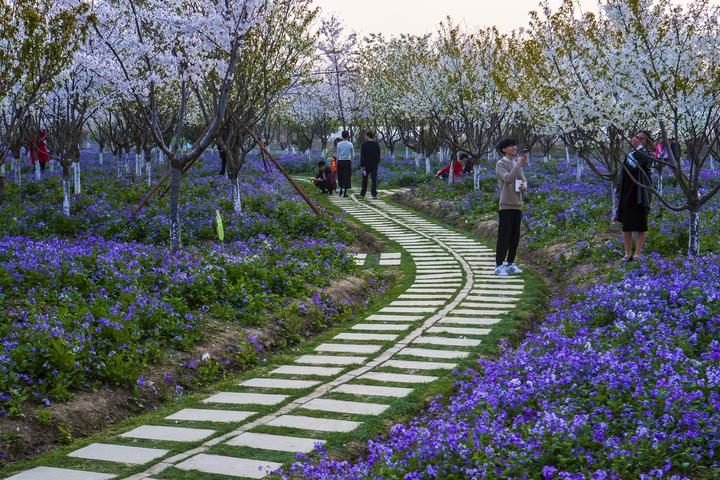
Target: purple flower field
(95,297)
(622,381)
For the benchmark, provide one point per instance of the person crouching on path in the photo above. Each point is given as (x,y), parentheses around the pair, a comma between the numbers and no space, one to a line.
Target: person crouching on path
(457,168)
(323,179)
(634,194)
(345,154)
(511,183)
(369,161)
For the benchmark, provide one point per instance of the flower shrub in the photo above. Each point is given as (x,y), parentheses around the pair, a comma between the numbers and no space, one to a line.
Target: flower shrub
(622,381)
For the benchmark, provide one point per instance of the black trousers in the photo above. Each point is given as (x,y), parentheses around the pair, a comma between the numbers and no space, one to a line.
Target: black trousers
(344,173)
(373,182)
(508,236)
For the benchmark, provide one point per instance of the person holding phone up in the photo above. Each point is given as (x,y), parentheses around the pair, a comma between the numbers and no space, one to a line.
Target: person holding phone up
(511,183)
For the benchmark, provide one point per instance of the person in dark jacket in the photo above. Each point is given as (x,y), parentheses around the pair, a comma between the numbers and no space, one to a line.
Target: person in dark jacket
(369,162)
(634,194)
(324,180)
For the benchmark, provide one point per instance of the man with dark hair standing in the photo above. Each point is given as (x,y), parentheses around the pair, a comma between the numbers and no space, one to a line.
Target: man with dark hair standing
(369,161)
(511,183)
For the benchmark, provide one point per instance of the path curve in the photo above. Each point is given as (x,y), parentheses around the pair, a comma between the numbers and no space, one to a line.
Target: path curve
(454,301)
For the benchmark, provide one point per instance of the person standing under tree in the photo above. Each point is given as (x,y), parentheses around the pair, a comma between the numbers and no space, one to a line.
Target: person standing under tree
(634,193)
(511,183)
(345,154)
(369,161)
(38,150)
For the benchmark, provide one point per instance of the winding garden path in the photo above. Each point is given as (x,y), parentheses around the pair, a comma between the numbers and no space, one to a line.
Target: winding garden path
(453,303)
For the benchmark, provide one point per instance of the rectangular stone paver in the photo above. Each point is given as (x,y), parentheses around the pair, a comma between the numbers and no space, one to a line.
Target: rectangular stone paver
(279,443)
(447,341)
(279,383)
(347,348)
(242,398)
(391,255)
(460,330)
(408,310)
(478,311)
(230,466)
(494,294)
(397,377)
(50,473)
(416,303)
(330,360)
(375,327)
(470,320)
(169,434)
(315,424)
(299,370)
(394,318)
(428,289)
(389,262)
(118,453)
(343,406)
(415,365)
(488,304)
(373,390)
(218,416)
(366,336)
(430,353)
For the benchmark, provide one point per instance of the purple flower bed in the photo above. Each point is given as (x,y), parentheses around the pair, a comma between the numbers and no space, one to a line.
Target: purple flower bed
(622,381)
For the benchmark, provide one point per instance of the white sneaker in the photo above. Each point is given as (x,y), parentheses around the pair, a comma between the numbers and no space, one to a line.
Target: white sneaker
(501,271)
(513,269)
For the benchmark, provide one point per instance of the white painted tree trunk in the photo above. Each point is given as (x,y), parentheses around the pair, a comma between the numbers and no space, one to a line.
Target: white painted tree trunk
(428,166)
(126,162)
(119,161)
(578,168)
(450,173)
(77,184)
(407,153)
(545,159)
(100,157)
(161,157)
(2,170)
(138,165)
(417,159)
(567,155)
(694,234)
(37,171)
(66,196)
(660,183)
(148,172)
(51,166)
(476,177)
(236,198)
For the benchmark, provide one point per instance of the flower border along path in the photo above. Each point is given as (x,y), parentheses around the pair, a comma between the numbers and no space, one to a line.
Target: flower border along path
(326,395)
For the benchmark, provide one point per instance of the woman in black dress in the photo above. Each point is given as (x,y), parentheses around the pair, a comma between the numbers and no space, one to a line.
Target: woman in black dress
(633,194)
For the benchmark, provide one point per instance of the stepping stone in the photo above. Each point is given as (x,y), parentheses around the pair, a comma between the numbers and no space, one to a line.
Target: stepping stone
(50,473)
(488,305)
(430,290)
(492,293)
(438,283)
(119,453)
(470,320)
(408,309)
(279,383)
(414,365)
(298,370)
(416,303)
(279,443)
(230,466)
(365,336)
(421,296)
(429,353)
(381,328)
(347,348)
(330,360)
(465,311)
(243,398)
(343,406)
(439,276)
(313,423)
(397,377)
(390,255)
(460,331)
(447,341)
(395,318)
(219,416)
(389,262)
(499,287)
(168,434)
(373,391)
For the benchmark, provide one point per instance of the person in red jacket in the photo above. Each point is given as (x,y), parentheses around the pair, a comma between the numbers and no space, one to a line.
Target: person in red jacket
(457,167)
(39,151)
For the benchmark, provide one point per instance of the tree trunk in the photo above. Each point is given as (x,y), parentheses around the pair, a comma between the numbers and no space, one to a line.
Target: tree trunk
(37,171)
(428,166)
(567,155)
(77,187)
(417,160)
(236,198)
(694,234)
(66,189)
(476,177)
(175,179)
(578,168)
(100,157)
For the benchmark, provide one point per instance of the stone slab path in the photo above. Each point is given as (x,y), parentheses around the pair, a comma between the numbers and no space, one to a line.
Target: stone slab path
(358,374)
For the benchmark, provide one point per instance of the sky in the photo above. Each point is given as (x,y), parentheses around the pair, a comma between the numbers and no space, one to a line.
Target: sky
(392,17)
